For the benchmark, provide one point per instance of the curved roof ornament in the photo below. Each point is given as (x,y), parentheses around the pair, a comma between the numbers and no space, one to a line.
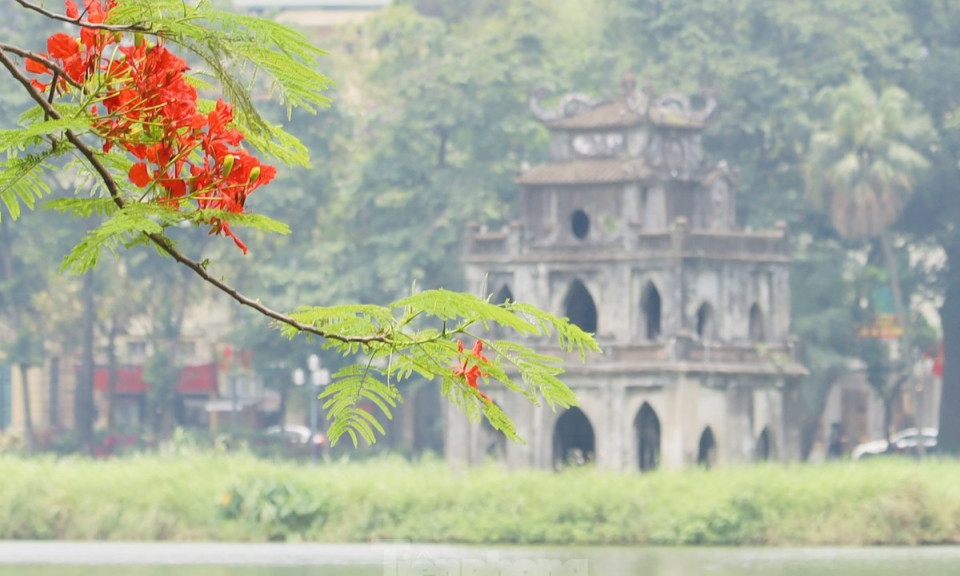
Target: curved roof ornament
(677,109)
(570,105)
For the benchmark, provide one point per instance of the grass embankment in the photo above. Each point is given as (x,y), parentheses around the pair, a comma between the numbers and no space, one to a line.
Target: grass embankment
(198,497)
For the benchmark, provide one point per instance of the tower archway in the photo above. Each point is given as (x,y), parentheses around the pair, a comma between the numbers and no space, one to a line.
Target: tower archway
(765,447)
(580,308)
(647,428)
(706,324)
(573,439)
(651,306)
(707,450)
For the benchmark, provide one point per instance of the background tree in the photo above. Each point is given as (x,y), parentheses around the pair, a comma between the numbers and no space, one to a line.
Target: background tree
(933,212)
(861,172)
(822,301)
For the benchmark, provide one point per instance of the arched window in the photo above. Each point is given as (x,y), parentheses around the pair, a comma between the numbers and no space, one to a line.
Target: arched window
(707,451)
(650,304)
(503,295)
(765,447)
(756,324)
(647,427)
(580,224)
(579,307)
(573,440)
(706,328)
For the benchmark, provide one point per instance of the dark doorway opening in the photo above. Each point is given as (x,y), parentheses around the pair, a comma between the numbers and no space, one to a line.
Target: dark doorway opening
(573,440)
(651,305)
(707,452)
(580,224)
(765,449)
(705,323)
(580,308)
(647,427)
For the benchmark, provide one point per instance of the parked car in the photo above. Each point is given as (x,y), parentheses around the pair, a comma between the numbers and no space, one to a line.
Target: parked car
(903,442)
(296,434)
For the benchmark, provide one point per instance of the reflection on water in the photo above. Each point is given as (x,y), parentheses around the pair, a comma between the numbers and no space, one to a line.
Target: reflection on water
(118,559)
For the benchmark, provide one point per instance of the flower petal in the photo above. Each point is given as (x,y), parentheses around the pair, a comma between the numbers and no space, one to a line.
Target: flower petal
(62,46)
(36,67)
(140,175)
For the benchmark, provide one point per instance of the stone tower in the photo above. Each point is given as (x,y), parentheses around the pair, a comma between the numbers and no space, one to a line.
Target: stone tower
(630,232)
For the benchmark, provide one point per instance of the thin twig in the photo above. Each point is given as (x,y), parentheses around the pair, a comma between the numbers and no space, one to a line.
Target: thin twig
(79,22)
(162,241)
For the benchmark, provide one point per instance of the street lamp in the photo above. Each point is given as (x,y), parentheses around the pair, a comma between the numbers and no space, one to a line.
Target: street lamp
(319,377)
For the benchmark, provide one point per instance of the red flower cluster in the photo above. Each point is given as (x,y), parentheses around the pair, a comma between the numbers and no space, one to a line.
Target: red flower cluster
(79,58)
(471,372)
(148,107)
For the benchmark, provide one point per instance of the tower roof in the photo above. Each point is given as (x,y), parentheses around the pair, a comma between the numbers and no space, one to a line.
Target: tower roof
(594,171)
(616,114)
(577,112)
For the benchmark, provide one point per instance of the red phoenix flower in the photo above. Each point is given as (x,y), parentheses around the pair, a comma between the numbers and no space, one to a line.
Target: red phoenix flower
(148,107)
(468,369)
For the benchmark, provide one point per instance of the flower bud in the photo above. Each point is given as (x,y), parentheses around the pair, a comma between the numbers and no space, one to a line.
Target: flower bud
(254,174)
(138,39)
(227,165)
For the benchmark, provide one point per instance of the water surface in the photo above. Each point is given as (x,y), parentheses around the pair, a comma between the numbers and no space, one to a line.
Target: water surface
(165,559)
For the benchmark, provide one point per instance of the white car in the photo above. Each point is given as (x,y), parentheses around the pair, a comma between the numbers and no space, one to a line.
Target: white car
(904,441)
(296,434)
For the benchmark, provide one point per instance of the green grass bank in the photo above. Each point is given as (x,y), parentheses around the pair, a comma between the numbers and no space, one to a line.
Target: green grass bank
(237,497)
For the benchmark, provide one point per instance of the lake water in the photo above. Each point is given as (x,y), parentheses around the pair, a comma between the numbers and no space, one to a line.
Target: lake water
(166,559)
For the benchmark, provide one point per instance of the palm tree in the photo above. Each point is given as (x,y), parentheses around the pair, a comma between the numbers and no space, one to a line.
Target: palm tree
(860,170)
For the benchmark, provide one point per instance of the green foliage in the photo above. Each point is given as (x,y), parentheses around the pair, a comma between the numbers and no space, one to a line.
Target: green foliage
(279,509)
(879,502)
(396,349)
(21,175)
(862,169)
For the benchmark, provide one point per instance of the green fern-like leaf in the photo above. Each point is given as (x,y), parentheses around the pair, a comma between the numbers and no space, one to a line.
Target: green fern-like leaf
(344,397)
(431,352)
(258,221)
(82,207)
(239,50)
(22,179)
(123,227)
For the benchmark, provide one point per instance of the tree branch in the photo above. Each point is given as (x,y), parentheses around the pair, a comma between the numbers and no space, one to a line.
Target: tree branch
(162,241)
(78,22)
(37,58)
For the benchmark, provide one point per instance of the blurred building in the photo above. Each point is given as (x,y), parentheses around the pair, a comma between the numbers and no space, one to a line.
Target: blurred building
(853,412)
(211,386)
(630,232)
(319,17)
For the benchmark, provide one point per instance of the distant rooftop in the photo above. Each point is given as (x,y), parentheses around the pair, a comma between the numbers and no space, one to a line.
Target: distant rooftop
(311,4)
(319,15)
